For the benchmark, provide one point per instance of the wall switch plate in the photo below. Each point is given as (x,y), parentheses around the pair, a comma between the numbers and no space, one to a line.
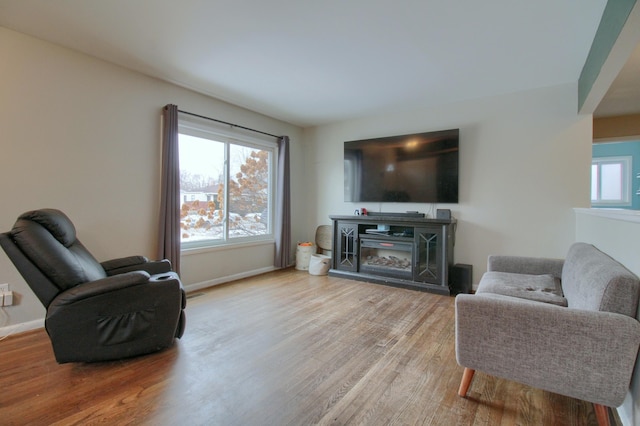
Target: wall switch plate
(4,287)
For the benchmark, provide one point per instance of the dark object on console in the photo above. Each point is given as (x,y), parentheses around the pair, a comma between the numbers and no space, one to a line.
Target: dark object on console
(443,214)
(95,311)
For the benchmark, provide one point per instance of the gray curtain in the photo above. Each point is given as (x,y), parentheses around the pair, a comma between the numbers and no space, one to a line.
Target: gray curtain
(282,221)
(169,230)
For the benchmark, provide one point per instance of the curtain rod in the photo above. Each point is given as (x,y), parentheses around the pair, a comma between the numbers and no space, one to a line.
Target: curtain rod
(230,124)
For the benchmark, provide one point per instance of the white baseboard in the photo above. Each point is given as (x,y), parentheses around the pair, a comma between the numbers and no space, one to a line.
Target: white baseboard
(21,327)
(222,280)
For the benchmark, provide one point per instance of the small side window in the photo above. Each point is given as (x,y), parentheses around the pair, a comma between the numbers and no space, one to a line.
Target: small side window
(611,181)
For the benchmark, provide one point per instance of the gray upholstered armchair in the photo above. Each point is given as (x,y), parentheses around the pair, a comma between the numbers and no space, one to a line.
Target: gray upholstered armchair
(566,326)
(95,311)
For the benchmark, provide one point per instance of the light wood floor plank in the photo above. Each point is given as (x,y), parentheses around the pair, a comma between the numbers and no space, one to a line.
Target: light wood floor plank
(284,348)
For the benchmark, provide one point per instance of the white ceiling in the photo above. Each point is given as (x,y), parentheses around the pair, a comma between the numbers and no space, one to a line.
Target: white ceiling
(314,62)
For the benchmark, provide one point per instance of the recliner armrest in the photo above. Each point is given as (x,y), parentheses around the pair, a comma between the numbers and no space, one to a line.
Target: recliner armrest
(123,262)
(99,287)
(526,265)
(136,263)
(584,354)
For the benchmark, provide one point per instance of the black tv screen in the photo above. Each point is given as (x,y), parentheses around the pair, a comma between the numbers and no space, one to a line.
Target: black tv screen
(416,168)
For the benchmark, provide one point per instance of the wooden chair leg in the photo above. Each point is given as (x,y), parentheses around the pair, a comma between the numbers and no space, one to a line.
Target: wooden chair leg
(467,376)
(602,414)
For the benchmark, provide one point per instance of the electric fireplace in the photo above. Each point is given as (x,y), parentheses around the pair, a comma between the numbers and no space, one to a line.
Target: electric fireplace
(390,258)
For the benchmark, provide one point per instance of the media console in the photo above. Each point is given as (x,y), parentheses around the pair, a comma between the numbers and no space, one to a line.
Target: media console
(396,249)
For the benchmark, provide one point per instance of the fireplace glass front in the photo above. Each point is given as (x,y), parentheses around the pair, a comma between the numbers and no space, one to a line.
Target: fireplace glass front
(386,257)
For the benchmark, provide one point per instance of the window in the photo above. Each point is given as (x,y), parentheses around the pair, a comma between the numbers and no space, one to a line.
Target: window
(610,181)
(226,185)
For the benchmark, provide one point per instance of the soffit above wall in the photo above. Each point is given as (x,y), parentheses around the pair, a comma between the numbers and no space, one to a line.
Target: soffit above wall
(623,96)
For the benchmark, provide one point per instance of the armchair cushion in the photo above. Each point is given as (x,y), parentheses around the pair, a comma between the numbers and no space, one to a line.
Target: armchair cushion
(540,288)
(525,265)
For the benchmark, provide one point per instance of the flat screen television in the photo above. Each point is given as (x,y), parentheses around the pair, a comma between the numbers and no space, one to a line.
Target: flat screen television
(415,168)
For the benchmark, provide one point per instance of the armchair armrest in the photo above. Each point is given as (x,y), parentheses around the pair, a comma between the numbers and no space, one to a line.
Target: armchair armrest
(584,354)
(526,265)
(136,263)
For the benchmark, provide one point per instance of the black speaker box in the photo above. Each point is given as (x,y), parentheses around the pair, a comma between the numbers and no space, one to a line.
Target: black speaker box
(443,214)
(460,276)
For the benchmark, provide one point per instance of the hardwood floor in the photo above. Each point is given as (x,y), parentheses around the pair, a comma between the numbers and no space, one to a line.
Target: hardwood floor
(284,348)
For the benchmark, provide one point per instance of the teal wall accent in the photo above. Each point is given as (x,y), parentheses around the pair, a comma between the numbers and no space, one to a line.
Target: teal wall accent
(619,149)
(614,16)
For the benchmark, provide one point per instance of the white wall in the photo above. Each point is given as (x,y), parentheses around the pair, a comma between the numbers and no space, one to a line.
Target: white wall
(83,135)
(524,164)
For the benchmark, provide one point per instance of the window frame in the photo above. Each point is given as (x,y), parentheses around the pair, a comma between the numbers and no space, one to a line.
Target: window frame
(626,162)
(229,135)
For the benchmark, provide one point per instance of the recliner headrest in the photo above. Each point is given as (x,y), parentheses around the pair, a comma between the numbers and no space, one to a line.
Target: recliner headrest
(55,222)
(48,239)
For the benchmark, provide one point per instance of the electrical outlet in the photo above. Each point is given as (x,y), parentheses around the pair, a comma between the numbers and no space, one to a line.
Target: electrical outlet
(6,295)
(8,298)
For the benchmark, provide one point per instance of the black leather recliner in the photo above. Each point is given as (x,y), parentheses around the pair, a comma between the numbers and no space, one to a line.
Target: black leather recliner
(95,311)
